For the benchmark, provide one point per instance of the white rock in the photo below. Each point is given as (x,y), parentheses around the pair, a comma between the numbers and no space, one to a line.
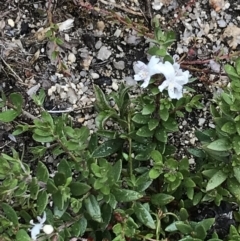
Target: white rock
(72,97)
(98,44)
(63,95)
(130,81)
(115,86)
(95,75)
(104,53)
(100,25)
(11,22)
(201,121)
(117,32)
(222,23)
(119,65)
(71,58)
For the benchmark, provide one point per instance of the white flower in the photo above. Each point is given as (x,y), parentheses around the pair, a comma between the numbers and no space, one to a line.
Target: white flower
(35,230)
(48,229)
(144,72)
(175,79)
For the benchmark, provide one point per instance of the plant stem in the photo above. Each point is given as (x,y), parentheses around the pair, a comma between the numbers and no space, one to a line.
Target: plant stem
(130,146)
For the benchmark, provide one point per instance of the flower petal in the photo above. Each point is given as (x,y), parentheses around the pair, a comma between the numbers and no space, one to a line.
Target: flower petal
(43,218)
(137,77)
(35,230)
(167,70)
(163,86)
(154,60)
(181,80)
(146,82)
(139,66)
(175,91)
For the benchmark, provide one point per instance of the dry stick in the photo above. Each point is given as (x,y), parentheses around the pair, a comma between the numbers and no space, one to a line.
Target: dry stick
(119,18)
(14,74)
(122,8)
(24,112)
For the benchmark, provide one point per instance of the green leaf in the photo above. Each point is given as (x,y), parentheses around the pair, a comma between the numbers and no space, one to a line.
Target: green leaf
(229,127)
(108,148)
(183,214)
(78,188)
(103,116)
(143,215)
(171,125)
(207,223)
(65,168)
(51,188)
(183,228)
(58,199)
(141,119)
(217,179)
(48,118)
(101,101)
(152,124)
(196,152)
(164,114)
(148,109)
(190,192)
(42,172)
(117,170)
(197,198)
(83,225)
(33,188)
(92,145)
(8,115)
(236,171)
(125,195)
(161,135)
(59,41)
(44,139)
(17,101)
(230,70)
(144,132)
(220,145)
(143,182)
(236,144)
(237,65)
(155,173)
(42,201)
(41,132)
(76,229)
(10,213)
(188,182)
(157,157)
(161,199)
(106,211)
(200,232)
(22,235)
(93,208)
(59,179)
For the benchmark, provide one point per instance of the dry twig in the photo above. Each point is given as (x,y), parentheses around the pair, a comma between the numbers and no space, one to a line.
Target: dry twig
(122,8)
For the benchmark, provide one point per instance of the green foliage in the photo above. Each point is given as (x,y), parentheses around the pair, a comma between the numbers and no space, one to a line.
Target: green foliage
(125,182)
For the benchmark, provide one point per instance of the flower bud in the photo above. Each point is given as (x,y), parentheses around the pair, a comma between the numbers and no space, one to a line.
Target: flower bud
(48,229)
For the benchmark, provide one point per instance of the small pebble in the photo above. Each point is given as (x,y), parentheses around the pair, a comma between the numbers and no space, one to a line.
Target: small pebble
(11,22)
(119,65)
(71,58)
(104,53)
(95,75)
(100,25)
(115,86)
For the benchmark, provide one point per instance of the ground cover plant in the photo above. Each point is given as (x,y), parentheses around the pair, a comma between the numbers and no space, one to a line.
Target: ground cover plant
(126,182)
